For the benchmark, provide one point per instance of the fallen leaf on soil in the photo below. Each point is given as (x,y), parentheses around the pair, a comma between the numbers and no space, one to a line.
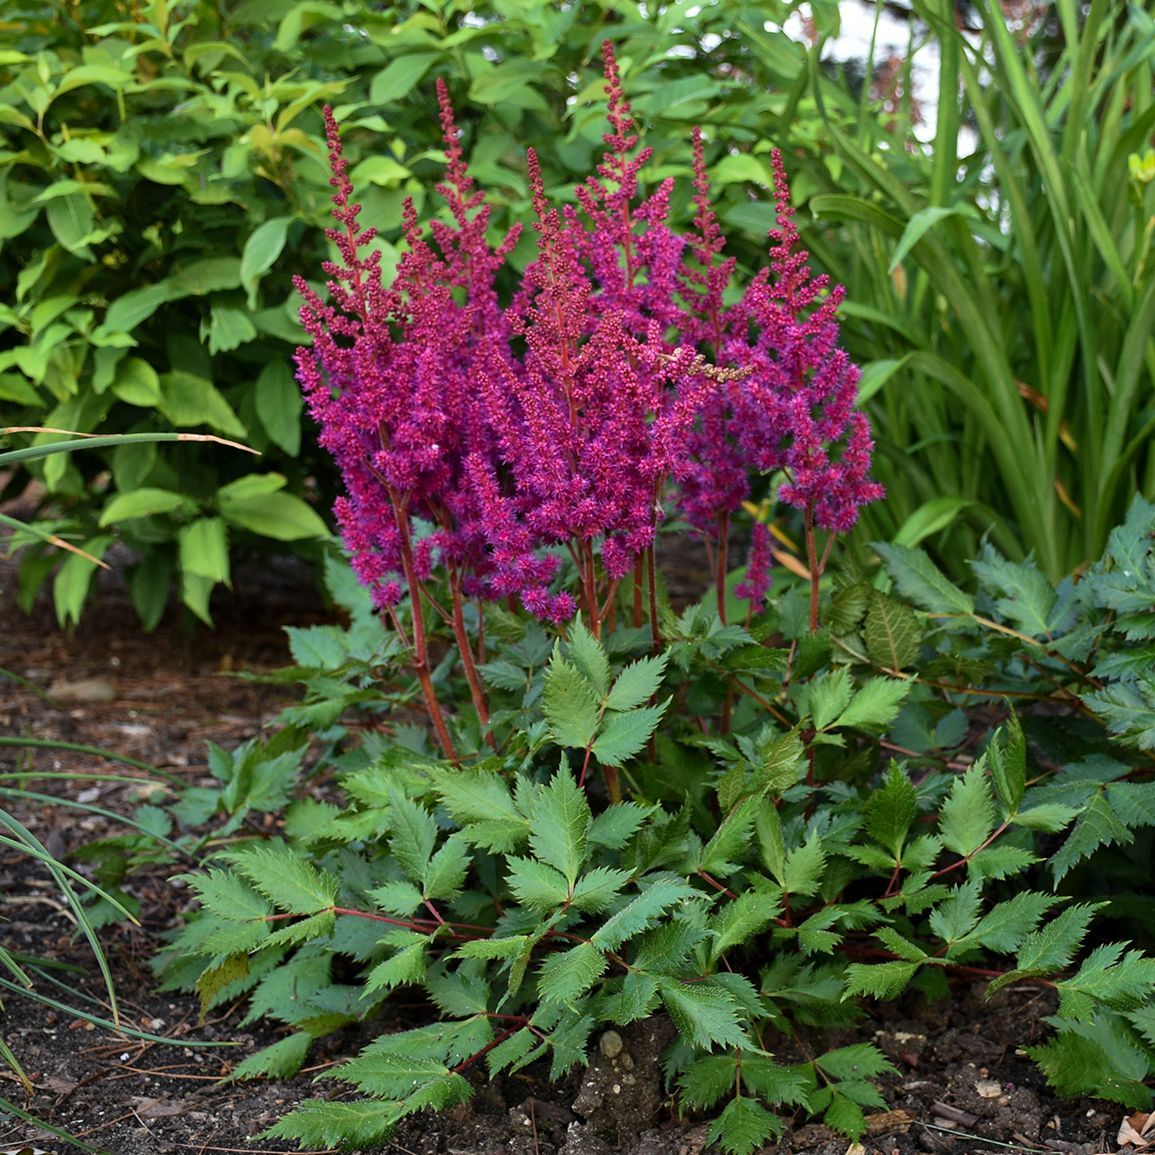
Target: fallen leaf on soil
(24,1151)
(1138,1130)
(156,1108)
(897,1120)
(85,690)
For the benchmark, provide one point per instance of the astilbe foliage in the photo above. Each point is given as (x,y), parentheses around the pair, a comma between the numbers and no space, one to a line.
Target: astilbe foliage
(553,425)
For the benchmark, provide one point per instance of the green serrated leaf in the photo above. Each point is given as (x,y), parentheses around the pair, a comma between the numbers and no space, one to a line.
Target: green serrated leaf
(891,809)
(445,875)
(217,977)
(480,801)
(1098,825)
(1048,816)
(995,862)
(587,655)
(570,703)
(920,580)
(967,818)
(815,935)
(624,734)
(559,826)
(1121,981)
(318,925)
(731,841)
(565,976)
(520,1049)
(859,1061)
(537,885)
(706,1080)
(880,980)
(1027,597)
(1096,1059)
(317,1123)
(413,834)
(843,1114)
(493,948)
(744,1126)
(399,898)
(958,913)
(289,881)
(874,705)
(782,763)
(641,912)
(280,1061)
(1128,709)
(615,825)
(405,967)
(228,896)
(1045,951)
(828,696)
(1008,764)
(1006,924)
(740,920)
(636,1000)
(705,1016)
(803,869)
(597,889)
(892,633)
(637,683)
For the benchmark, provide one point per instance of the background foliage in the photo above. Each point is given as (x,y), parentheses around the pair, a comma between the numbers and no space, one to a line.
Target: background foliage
(162,178)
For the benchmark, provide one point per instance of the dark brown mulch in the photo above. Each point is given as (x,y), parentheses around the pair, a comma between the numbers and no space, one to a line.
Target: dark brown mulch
(963,1086)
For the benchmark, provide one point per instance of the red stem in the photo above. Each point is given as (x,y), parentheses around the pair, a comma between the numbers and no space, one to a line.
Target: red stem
(420,653)
(815,565)
(476,691)
(652,585)
(722,562)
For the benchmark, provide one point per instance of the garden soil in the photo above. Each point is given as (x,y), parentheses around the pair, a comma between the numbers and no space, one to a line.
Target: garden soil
(962,1086)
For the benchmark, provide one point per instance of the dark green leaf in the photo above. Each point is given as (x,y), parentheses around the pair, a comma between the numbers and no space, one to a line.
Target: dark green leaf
(567,975)
(891,809)
(623,735)
(705,1016)
(744,1126)
(560,825)
(920,580)
(892,633)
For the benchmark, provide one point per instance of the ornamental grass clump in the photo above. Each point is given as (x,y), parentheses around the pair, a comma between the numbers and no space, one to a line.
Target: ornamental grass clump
(529,447)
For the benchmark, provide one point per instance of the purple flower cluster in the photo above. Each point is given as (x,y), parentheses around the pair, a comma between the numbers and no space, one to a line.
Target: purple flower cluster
(553,425)
(792,409)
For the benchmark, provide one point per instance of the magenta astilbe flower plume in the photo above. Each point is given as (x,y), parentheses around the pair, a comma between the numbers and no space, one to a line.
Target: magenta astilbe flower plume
(390,376)
(551,424)
(794,407)
(756,584)
(601,411)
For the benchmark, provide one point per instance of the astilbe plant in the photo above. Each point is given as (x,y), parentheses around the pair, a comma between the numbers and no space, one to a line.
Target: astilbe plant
(550,427)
